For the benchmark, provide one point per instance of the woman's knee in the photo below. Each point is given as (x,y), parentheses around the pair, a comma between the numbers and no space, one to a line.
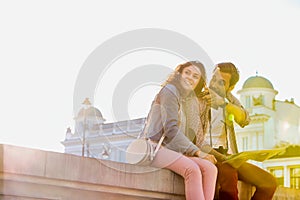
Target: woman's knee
(192,169)
(207,166)
(213,169)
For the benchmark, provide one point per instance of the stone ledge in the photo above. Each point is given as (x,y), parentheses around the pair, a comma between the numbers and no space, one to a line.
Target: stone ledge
(30,174)
(36,174)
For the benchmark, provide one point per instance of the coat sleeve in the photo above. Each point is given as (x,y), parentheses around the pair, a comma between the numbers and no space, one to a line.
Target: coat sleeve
(175,138)
(236,102)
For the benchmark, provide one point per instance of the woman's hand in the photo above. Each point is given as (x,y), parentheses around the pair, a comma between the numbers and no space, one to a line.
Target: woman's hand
(208,157)
(211,158)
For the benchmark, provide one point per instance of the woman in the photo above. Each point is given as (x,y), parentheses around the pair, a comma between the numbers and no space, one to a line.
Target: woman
(175,113)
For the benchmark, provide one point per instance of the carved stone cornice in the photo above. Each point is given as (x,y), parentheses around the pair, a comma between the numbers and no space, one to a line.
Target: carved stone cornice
(259,118)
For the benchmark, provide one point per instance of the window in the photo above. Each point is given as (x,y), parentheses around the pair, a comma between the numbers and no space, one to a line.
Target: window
(277,172)
(247,103)
(245,143)
(295,177)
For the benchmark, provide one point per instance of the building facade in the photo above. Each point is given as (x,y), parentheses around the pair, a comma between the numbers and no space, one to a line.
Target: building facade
(94,138)
(273,124)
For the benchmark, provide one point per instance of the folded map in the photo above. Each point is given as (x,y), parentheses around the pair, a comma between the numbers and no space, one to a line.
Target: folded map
(238,159)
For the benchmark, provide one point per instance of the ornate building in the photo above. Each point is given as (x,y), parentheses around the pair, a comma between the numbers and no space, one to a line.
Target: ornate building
(94,138)
(273,124)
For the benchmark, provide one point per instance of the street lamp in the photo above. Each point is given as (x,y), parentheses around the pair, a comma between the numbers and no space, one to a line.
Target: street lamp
(87,118)
(86,104)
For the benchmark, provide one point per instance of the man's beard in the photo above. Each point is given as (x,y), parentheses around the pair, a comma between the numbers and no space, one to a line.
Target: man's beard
(220,93)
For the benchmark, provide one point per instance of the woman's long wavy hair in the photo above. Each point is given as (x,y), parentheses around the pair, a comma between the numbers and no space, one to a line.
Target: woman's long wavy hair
(175,77)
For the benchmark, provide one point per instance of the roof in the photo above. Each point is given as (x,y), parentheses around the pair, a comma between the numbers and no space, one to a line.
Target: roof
(90,112)
(257,82)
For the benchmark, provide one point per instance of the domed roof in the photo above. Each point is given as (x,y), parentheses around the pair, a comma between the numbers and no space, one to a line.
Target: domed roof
(90,112)
(257,82)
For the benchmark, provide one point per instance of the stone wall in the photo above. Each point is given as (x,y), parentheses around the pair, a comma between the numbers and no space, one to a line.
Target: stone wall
(35,174)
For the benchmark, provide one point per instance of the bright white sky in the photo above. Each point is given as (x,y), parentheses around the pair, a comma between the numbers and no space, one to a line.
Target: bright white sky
(44,44)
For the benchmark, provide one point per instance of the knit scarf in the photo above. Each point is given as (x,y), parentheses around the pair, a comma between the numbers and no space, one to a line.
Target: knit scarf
(204,122)
(191,108)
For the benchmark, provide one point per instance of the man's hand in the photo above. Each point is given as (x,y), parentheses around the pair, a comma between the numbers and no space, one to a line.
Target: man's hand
(216,100)
(205,95)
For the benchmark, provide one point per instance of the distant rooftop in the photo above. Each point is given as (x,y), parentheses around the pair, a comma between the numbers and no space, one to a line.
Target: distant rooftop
(257,82)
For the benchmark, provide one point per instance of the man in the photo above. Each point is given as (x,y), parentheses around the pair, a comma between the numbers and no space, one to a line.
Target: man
(220,139)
